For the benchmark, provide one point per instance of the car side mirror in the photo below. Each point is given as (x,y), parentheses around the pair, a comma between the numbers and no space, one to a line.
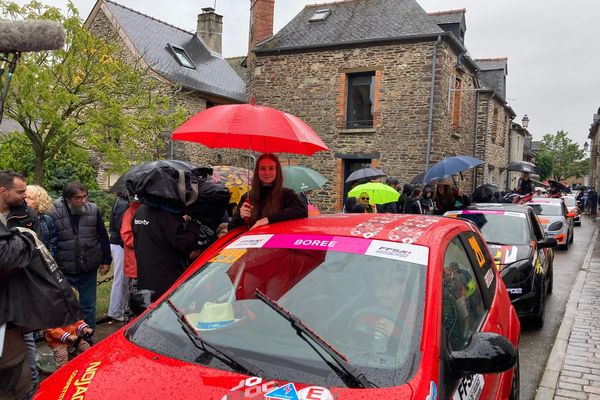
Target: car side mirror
(571,215)
(140,301)
(486,353)
(548,242)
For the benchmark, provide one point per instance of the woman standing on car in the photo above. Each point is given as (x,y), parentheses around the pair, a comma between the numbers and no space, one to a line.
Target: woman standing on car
(268,201)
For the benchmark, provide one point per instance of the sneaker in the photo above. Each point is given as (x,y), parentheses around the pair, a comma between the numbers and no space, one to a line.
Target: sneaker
(118,319)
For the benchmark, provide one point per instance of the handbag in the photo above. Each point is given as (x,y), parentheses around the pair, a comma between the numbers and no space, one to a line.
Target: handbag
(39,296)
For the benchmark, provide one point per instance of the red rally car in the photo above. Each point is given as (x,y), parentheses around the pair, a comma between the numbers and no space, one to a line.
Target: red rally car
(350,306)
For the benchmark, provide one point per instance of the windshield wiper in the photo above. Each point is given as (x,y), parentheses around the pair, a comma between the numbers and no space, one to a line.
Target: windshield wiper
(350,375)
(221,354)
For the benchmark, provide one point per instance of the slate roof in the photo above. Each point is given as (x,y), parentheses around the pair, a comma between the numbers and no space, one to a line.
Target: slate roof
(449,17)
(353,21)
(493,74)
(212,75)
(9,125)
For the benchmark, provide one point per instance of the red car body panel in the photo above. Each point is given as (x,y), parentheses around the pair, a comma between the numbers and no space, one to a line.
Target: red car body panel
(116,368)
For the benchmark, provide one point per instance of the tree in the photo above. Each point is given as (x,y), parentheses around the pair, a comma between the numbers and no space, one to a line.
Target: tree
(85,96)
(562,157)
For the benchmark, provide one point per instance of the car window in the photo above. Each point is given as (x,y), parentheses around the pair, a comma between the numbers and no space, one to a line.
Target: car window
(462,308)
(570,201)
(506,228)
(484,266)
(537,227)
(367,305)
(548,209)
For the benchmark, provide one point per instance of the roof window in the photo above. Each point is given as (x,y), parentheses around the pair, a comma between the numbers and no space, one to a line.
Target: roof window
(320,15)
(182,56)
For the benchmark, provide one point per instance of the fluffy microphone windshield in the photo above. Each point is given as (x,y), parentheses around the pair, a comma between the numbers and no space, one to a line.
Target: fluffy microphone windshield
(32,35)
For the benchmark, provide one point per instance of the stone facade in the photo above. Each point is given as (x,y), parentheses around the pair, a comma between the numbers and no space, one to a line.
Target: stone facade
(312,85)
(193,101)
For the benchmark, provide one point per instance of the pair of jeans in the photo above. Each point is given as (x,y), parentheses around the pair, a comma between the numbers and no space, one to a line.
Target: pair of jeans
(32,357)
(120,284)
(86,286)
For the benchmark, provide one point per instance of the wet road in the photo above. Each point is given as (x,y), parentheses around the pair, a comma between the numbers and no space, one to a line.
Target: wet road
(535,344)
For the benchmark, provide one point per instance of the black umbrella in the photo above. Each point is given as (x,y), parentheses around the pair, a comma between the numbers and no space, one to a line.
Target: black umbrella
(521,166)
(485,194)
(120,185)
(365,173)
(417,179)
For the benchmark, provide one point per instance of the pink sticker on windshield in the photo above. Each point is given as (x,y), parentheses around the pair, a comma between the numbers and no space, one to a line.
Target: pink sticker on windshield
(497,212)
(319,242)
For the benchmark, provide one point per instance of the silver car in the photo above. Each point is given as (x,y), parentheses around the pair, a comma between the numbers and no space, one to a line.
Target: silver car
(555,218)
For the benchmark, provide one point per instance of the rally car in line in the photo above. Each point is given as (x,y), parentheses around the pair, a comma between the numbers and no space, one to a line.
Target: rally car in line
(522,252)
(573,208)
(349,306)
(556,220)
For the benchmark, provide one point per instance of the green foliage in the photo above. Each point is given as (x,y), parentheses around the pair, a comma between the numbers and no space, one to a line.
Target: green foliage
(104,201)
(561,157)
(71,163)
(84,95)
(544,162)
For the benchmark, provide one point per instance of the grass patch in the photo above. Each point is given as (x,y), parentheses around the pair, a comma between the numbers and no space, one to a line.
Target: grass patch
(103,295)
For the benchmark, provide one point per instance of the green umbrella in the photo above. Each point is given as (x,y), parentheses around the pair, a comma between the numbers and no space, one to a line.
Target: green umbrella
(379,193)
(302,179)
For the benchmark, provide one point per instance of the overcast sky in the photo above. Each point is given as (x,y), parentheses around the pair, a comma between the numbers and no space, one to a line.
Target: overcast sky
(551,45)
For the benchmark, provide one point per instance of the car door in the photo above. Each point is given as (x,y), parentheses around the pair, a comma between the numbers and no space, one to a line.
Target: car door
(465,308)
(541,256)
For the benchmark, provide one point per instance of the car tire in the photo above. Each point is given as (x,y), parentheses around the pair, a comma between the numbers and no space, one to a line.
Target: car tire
(538,320)
(550,277)
(515,390)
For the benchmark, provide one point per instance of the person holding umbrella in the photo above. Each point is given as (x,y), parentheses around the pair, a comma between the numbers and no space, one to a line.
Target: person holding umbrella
(525,185)
(268,201)
(447,198)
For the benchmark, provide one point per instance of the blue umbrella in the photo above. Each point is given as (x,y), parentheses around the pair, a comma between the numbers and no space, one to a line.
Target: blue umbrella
(450,166)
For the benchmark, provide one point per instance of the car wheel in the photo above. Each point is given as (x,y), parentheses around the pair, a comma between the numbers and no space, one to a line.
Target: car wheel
(550,277)
(515,390)
(538,320)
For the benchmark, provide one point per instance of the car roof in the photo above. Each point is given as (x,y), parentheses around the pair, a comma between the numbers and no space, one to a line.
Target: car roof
(417,229)
(499,206)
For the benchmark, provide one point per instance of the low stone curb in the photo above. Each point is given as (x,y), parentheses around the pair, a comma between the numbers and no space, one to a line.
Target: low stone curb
(547,387)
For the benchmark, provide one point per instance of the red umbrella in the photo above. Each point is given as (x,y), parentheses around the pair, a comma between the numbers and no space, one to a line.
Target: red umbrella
(250,127)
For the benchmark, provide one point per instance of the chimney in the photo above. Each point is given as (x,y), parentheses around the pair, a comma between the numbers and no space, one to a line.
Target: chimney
(261,21)
(210,29)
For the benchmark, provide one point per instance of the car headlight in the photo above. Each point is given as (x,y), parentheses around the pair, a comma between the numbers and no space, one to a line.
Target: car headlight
(555,226)
(516,272)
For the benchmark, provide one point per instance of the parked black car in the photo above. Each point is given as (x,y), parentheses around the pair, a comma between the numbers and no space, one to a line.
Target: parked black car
(523,253)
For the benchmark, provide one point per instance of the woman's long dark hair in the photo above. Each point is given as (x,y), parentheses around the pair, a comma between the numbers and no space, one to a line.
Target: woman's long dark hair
(272,204)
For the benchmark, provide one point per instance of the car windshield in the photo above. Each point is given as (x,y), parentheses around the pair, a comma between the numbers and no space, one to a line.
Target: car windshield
(340,295)
(569,201)
(502,228)
(553,210)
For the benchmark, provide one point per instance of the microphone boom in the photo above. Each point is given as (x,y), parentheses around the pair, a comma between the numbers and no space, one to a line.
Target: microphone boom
(31,35)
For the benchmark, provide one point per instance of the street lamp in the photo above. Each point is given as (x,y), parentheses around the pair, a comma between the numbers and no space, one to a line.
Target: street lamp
(525,121)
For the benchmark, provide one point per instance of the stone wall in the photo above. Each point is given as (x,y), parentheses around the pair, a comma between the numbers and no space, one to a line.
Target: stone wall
(310,85)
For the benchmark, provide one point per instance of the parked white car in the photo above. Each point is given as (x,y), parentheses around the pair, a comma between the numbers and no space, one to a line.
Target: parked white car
(555,218)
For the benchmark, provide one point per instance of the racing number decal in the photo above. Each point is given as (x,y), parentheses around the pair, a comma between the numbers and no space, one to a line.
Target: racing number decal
(478,253)
(229,256)
(469,388)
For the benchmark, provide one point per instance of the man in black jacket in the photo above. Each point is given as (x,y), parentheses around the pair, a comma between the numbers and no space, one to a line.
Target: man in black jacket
(163,244)
(12,202)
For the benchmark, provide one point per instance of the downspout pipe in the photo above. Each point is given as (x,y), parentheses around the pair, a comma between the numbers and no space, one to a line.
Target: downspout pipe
(431,97)
(173,100)
(485,138)
(510,122)
(475,123)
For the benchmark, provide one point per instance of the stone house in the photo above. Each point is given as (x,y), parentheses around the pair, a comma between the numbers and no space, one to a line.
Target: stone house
(188,66)
(517,151)
(384,84)
(594,149)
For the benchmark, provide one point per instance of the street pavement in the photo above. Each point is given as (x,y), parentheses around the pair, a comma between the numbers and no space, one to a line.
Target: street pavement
(573,368)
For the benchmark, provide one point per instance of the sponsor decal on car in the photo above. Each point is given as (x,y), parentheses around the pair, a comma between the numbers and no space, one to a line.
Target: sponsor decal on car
(469,388)
(504,254)
(477,249)
(517,290)
(379,248)
(432,391)
(255,388)
(489,278)
(77,386)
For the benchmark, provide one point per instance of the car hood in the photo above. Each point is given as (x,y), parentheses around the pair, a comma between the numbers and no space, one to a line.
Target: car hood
(507,254)
(116,368)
